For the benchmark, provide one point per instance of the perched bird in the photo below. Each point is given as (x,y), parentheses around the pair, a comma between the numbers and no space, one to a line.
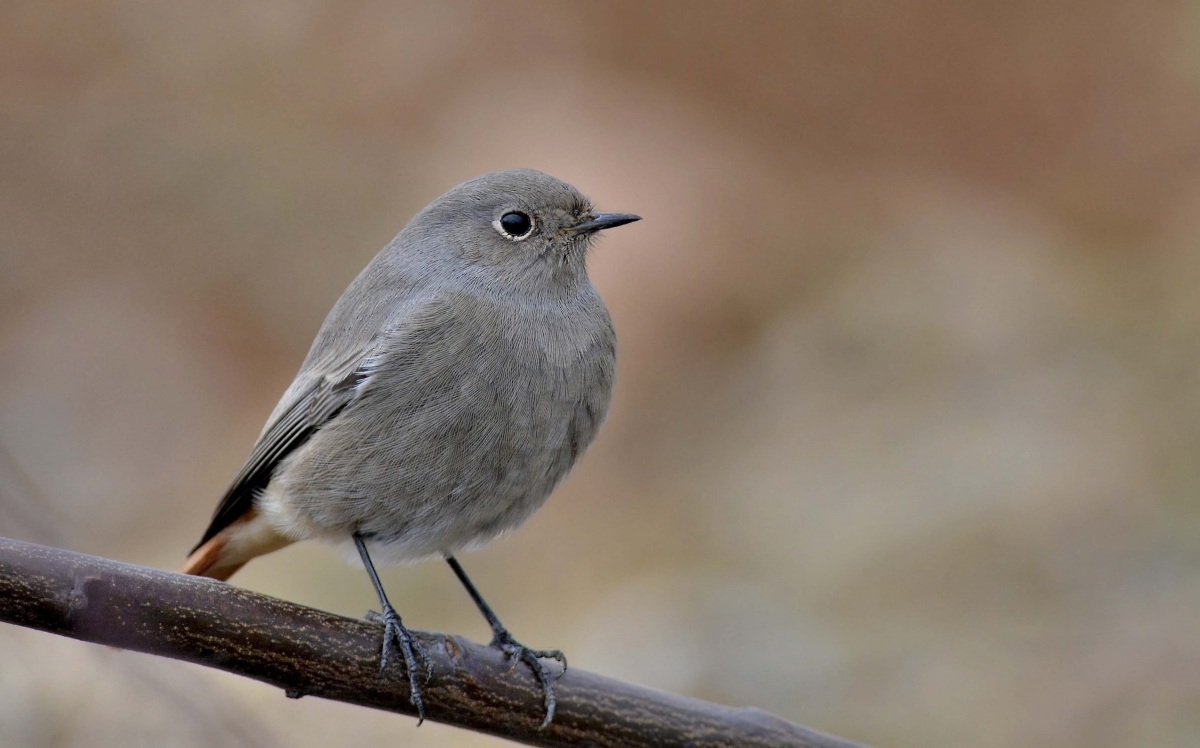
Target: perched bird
(448,392)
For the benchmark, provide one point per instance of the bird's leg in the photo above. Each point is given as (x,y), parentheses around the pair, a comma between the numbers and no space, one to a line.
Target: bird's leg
(505,642)
(395,635)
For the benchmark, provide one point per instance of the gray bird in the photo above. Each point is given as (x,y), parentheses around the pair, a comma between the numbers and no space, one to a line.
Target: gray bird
(450,389)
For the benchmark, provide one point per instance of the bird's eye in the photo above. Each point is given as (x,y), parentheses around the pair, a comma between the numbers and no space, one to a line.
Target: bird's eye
(515,225)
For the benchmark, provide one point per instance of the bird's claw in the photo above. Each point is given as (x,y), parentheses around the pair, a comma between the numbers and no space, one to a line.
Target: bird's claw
(397,637)
(533,658)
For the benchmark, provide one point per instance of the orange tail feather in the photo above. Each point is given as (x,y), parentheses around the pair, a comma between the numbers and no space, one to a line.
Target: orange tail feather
(229,550)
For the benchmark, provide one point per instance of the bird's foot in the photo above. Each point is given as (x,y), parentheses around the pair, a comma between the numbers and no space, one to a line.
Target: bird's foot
(533,658)
(398,641)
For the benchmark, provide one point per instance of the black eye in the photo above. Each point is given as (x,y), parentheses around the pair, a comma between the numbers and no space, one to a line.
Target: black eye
(516,225)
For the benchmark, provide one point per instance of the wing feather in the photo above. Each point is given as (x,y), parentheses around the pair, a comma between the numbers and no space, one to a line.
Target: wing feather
(311,407)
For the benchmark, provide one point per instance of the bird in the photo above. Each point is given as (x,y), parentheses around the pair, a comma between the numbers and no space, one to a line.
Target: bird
(451,388)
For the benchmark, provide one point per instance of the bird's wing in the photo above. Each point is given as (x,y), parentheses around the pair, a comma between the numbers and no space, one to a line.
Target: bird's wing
(307,406)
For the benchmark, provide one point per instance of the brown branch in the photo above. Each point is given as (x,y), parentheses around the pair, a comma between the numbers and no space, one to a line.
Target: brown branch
(309,652)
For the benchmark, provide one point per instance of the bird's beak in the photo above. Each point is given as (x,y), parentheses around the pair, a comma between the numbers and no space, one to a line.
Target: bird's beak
(601,221)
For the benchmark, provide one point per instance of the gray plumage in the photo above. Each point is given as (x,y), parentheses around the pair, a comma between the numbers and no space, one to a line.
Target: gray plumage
(450,389)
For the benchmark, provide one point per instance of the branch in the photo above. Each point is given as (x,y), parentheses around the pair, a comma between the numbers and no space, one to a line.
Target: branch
(307,652)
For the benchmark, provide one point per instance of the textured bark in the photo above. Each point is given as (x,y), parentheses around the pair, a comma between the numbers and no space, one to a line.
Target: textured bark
(307,652)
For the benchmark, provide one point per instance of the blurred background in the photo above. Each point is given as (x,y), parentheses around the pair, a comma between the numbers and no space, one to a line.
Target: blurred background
(904,444)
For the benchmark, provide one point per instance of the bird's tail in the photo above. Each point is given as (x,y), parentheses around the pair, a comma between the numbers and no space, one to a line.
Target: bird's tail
(247,537)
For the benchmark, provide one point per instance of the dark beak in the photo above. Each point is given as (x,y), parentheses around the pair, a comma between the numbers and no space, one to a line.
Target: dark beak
(601,221)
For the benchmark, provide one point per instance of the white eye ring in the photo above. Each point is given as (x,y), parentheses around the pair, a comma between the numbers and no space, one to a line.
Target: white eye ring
(514,225)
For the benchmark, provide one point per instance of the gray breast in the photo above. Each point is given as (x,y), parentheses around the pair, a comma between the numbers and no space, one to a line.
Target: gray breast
(470,419)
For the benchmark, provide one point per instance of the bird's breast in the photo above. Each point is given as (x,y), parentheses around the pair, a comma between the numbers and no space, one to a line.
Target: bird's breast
(457,439)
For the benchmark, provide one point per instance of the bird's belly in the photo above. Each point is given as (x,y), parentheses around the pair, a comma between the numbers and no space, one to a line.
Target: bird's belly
(433,480)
